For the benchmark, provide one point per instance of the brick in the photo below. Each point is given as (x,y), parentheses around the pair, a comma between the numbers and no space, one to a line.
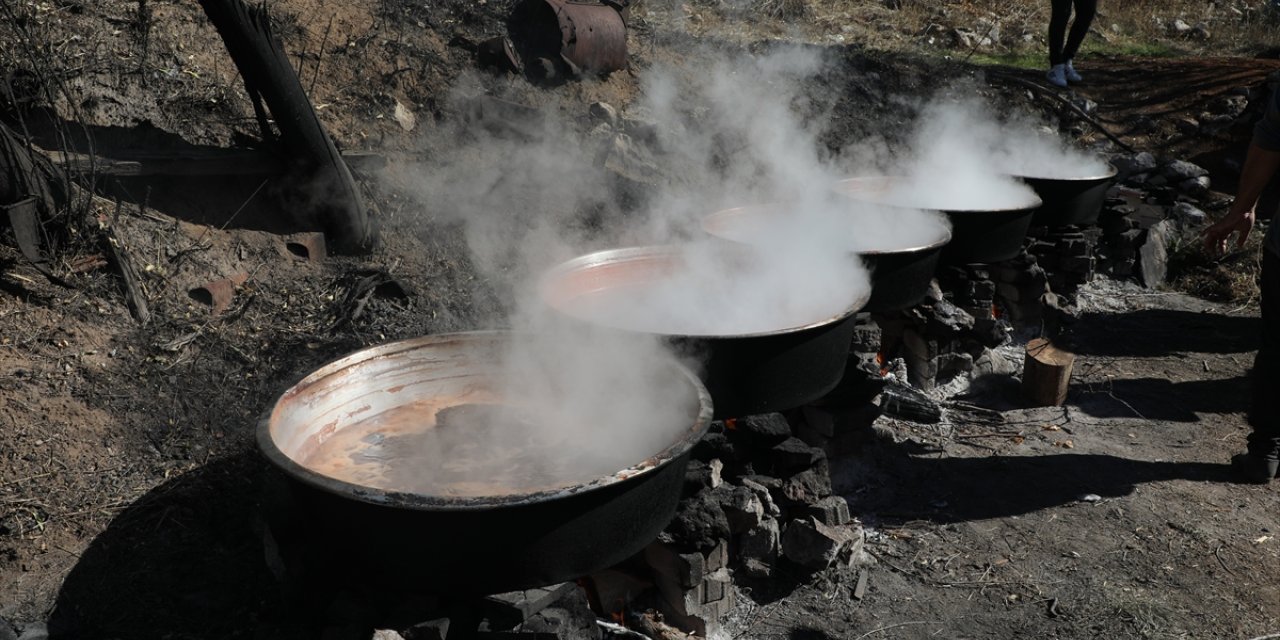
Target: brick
(688,568)
(716,586)
(718,557)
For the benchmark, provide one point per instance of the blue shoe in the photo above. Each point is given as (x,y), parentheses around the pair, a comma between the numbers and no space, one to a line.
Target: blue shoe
(1057,75)
(1071,74)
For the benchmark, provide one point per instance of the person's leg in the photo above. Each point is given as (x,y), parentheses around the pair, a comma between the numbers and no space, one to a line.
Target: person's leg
(1059,15)
(1264,412)
(1085,10)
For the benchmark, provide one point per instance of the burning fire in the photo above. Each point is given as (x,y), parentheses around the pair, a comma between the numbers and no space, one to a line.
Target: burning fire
(995,311)
(731,424)
(883,364)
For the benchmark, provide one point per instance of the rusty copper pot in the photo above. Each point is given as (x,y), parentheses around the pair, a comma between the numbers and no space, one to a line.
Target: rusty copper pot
(339,530)
(747,372)
(992,232)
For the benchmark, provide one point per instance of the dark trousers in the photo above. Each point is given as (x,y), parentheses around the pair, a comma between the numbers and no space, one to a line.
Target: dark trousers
(1264,411)
(1061,13)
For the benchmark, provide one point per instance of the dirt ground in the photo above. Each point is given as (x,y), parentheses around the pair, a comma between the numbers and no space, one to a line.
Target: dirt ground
(128,475)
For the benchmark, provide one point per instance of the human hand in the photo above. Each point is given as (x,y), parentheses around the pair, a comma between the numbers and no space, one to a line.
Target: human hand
(1217,234)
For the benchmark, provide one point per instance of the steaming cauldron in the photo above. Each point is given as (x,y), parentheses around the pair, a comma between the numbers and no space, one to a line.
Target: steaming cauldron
(331,529)
(747,372)
(901,267)
(990,233)
(1069,200)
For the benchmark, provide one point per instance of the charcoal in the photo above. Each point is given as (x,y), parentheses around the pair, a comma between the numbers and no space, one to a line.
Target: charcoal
(764,430)
(792,456)
(699,523)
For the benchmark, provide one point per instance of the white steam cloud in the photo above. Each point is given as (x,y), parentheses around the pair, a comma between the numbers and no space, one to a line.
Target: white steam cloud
(714,137)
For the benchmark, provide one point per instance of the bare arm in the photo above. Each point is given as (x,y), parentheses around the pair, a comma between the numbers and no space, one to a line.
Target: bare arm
(1259,166)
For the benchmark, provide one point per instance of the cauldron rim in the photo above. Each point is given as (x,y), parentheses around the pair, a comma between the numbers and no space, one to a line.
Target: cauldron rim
(605,256)
(420,502)
(1110,173)
(1034,202)
(941,240)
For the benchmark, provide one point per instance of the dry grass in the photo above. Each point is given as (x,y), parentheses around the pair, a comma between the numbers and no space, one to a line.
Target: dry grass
(1231,278)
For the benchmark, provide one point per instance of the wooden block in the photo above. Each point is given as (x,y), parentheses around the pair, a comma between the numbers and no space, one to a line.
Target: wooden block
(1046,373)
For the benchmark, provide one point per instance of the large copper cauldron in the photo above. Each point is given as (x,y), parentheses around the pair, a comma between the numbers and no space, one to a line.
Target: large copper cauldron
(901,268)
(990,233)
(331,528)
(769,369)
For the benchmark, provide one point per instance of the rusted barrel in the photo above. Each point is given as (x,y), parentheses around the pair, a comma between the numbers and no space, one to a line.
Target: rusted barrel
(589,37)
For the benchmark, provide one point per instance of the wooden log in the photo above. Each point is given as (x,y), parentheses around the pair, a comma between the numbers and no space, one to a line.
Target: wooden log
(1046,373)
(134,296)
(320,178)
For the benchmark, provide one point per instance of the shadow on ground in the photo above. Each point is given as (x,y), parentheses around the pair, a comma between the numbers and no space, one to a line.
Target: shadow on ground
(1158,332)
(949,490)
(181,562)
(1160,399)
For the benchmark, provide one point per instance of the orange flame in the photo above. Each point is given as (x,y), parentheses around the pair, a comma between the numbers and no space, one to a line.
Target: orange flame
(883,362)
(731,424)
(995,311)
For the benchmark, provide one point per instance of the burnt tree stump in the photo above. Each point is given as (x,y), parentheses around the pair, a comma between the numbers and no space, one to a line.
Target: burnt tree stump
(325,193)
(1046,373)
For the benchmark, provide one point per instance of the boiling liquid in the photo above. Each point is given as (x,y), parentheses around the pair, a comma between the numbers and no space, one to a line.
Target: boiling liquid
(468,450)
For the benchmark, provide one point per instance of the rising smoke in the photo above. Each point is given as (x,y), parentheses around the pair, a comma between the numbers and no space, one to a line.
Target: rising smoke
(721,135)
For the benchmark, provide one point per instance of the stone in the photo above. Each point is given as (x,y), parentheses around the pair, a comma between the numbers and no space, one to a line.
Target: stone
(508,610)
(742,509)
(814,545)
(761,543)
(1140,162)
(437,629)
(697,477)
(1195,186)
(1089,107)
(1153,256)
(1179,27)
(762,493)
(6,631)
(699,522)
(990,362)
(764,430)
(386,634)
(571,618)
(404,117)
(832,511)
(717,446)
(1188,214)
(1200,32)
(1180,170)
(757,569)
(792,456)
(604,112)
(808,486)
